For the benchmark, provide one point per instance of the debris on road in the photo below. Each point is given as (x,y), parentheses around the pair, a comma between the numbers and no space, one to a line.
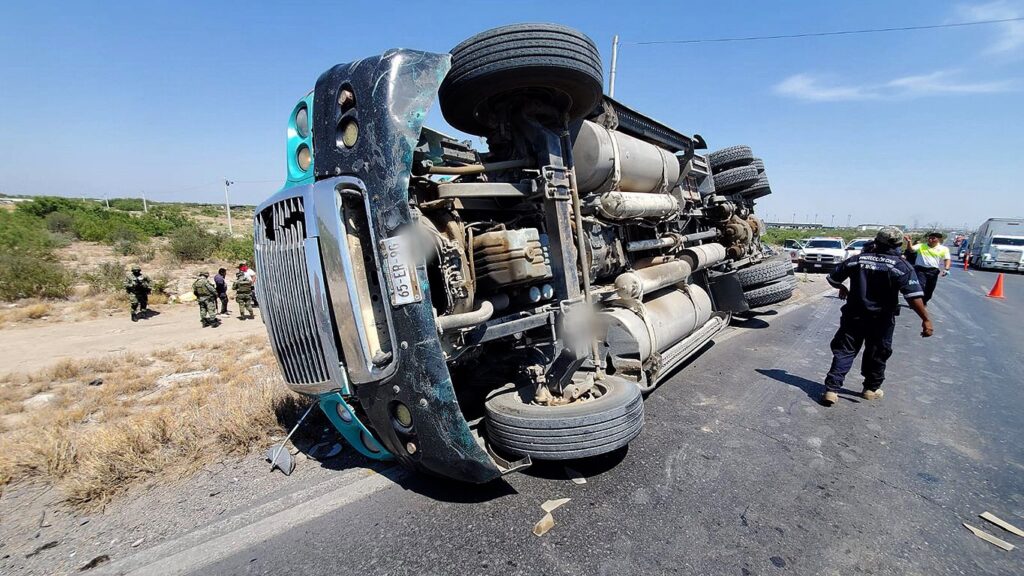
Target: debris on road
(96,382)
(551,505)
(1002,524)
(39,549)
(101,559)
(546,523)
(137,543)
(989,538)
(575,476)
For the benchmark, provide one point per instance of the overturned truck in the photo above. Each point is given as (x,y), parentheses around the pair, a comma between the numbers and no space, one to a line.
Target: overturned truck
(467,311)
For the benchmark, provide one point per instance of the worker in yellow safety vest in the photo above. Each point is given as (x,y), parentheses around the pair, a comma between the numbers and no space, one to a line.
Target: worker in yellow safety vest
(930,261)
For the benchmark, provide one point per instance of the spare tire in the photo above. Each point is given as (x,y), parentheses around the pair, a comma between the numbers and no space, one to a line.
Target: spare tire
(735,179)
(758,189)
(772,293)
(759,164)
(763,273)
(553,62)
(730,157)
(576,430)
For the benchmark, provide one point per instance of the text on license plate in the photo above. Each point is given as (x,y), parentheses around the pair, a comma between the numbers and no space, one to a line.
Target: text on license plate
(400,271)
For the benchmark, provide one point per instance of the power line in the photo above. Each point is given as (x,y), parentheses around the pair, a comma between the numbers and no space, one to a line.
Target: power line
(832,33)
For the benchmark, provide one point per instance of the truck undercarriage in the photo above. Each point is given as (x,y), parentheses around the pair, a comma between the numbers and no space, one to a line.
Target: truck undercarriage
(464,310)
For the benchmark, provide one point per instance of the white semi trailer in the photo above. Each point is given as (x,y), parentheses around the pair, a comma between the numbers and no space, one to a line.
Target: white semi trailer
(998,244)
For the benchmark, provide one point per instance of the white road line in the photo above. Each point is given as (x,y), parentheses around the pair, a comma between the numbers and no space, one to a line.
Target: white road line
(216,542)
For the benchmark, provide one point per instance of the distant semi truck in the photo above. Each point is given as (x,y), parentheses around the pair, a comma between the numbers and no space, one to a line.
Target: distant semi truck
(998,244)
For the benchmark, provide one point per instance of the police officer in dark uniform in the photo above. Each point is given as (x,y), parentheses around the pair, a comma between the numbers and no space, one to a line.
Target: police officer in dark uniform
(877,276)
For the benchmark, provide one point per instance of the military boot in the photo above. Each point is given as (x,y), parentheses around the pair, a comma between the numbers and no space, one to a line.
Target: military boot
(135,317)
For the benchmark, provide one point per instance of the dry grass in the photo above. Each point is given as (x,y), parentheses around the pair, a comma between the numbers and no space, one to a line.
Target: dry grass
(30,309)
(94,442)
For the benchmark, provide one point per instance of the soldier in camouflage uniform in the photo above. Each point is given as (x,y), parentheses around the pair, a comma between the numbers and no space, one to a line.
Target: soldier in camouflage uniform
(243,295)
(137,286)
(206,296)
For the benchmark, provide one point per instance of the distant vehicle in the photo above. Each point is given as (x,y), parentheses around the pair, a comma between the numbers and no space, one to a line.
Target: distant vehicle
(792,248)
(821,254)
(856,246)
(998,244)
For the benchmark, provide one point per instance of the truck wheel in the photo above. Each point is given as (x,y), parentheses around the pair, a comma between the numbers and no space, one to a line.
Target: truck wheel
(759,164)
(763,273)
(730,157)
(757,190)
(575,430)
(772,293)
(552,62)
(735,179)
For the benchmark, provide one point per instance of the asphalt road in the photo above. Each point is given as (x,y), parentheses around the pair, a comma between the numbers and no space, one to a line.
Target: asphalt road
(738,471)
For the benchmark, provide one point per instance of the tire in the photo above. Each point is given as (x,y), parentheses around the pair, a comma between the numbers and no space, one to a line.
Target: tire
(772,293)
(730,157)
(763,273)
(576,430)
(758,189)
(759,164)
(735,179)
(555,62)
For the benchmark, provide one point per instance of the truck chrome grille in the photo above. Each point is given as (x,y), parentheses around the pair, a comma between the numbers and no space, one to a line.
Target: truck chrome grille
(284,294)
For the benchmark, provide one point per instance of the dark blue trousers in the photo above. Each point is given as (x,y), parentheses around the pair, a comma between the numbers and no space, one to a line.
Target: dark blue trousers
(874,333)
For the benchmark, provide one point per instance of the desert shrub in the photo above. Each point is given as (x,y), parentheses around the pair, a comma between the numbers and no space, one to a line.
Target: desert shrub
(160,283)
(21,232)
(107,277)
(211,211)
(190,244)
(127,204)
(236,249)
(59,222)
(26,275)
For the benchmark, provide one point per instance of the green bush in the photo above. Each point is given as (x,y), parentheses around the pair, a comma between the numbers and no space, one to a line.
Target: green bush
(191,244)
(25,275)
(24,233)
(236,249)
(107,277)
(127,204)
(59,222)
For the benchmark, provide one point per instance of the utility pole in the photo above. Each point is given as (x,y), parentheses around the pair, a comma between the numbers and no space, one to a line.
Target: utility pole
(815,219)
(145,207)
(615,61)
(832,222)
(227,204)
(106,201)
(848,216)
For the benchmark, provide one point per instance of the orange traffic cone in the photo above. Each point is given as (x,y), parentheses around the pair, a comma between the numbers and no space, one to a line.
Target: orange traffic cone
(997,290)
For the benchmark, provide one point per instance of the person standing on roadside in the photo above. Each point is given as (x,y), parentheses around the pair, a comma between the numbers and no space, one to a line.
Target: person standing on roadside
(206,295)
(138,288)
(931,260)
(222,290)
(243,295)
(877,277)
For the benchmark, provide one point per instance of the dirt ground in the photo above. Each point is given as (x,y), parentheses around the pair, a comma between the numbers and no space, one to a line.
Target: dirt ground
(31,347)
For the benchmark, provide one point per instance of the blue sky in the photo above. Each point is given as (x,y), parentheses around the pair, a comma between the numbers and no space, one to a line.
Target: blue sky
(170,97)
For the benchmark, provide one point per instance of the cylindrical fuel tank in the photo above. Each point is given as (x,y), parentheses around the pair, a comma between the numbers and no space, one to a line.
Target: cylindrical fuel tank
(609,160)
(668,317)
(629,205)
(704,255)
(633,285)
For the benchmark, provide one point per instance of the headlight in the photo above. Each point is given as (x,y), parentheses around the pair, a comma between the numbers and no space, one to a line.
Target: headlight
(302,122)
(800,254)
(303,157)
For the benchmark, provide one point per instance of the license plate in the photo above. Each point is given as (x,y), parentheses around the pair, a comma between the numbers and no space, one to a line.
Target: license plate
(817,265)
(400,271)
